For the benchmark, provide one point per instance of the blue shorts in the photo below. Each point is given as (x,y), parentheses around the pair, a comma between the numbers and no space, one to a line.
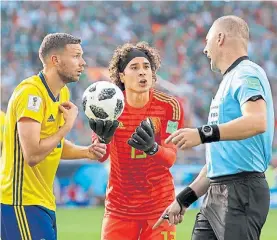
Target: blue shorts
(27,223)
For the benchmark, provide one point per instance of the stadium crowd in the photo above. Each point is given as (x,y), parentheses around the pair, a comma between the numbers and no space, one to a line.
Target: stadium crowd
(177,29)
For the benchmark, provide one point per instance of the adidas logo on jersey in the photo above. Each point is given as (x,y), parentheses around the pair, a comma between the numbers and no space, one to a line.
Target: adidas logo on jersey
(51,118)
(121,125)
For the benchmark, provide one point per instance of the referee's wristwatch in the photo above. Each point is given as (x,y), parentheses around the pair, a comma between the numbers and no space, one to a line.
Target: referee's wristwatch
(209,133)
(207,130)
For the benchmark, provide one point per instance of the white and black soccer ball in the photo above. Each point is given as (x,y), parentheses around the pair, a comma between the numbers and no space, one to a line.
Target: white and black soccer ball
(103,100)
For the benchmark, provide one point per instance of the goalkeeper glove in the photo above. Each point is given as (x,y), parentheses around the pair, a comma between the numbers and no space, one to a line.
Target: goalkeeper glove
(104,129)
(144,138)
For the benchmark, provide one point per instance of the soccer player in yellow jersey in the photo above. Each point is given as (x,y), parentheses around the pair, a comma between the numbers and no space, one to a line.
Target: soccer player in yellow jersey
(2,120)
(38,117)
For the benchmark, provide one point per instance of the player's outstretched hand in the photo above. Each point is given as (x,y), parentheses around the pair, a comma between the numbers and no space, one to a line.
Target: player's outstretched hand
(96,150)
(144,138)
(185,138)
(173,214)
(104,129)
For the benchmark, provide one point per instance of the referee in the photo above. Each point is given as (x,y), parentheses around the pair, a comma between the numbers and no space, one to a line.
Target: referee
(238,139)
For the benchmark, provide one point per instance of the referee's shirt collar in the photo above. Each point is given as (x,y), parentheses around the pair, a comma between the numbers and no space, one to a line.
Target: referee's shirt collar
(235,63)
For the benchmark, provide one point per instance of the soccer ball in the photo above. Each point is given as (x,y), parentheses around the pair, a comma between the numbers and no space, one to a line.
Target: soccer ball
(103,100)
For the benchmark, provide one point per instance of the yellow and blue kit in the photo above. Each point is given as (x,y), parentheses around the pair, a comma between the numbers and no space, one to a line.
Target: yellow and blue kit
(26,193)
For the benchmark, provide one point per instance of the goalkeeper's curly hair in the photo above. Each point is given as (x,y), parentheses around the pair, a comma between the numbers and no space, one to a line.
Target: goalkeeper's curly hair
(121,52)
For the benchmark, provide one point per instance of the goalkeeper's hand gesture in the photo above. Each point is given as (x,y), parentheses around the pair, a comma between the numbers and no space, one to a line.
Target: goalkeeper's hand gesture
(144,138)
(104,129)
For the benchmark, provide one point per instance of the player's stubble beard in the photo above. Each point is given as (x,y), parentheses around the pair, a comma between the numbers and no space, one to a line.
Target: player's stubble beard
(64,76)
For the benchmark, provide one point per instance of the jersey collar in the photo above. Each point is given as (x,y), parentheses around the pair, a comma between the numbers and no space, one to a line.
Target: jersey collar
(51,95)
(235,63)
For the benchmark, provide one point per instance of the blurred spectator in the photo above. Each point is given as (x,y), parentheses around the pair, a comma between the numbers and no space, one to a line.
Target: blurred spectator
(177,29)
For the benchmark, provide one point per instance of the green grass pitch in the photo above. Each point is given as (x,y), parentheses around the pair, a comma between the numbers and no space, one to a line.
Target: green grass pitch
(85,224)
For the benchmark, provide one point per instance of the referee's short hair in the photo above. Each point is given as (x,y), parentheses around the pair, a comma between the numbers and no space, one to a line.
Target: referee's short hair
(55,41)
(234,26)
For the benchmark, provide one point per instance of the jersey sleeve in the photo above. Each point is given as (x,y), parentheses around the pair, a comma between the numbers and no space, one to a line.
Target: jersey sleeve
(174,120)
(2,122)
(30,104)
(246,86)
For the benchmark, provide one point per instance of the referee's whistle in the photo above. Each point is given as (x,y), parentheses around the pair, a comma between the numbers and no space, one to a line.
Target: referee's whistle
(161,219)
(165,216)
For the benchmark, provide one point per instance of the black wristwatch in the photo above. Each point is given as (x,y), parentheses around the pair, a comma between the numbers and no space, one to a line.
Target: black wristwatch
(209,133)
(207,130)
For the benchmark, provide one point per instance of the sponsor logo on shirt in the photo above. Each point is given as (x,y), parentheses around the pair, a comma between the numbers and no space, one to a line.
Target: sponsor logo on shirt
(121,125)
(51,118)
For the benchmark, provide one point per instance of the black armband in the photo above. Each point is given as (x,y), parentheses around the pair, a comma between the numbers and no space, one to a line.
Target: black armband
(186,198)
(255,98)
(209,133)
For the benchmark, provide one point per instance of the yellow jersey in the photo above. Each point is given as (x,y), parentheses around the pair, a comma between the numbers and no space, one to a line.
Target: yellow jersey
(21,184)
(2,120)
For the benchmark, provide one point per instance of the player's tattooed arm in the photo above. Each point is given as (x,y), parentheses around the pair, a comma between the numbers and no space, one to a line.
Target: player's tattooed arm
(104,129)
(144,138)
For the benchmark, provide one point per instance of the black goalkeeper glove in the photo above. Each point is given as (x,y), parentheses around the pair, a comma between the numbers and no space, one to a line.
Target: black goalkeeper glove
(144,138)
(104,129)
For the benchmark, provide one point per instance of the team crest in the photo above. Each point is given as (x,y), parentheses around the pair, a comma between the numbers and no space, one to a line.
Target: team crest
(156,124)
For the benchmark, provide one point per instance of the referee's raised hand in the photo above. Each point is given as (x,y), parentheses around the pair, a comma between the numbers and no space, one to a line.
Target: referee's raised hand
(173,214)
(185,138)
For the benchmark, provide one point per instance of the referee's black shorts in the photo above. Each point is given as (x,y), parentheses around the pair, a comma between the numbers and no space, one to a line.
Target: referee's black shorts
(234,208)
